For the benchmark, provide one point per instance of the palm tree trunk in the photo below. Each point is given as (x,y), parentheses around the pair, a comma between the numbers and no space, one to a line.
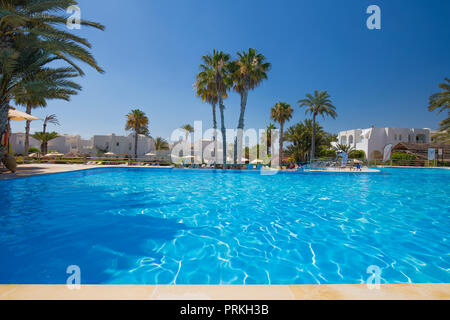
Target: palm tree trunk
(240,131)
(135,145)
(224,137)
(215,131)
(313,142)
(4,108)
(27,133)
(280,153)
(6,42)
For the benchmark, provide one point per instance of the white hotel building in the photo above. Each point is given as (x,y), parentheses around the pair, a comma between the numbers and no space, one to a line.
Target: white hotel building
(74,144)
(373,141)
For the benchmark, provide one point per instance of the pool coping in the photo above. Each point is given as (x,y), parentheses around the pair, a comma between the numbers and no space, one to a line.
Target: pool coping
(32,170)
(424,291)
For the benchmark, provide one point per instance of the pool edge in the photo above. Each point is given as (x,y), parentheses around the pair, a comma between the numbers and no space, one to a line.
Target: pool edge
(424,291)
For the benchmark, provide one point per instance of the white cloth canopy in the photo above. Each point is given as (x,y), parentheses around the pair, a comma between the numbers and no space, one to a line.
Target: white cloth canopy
(16,115)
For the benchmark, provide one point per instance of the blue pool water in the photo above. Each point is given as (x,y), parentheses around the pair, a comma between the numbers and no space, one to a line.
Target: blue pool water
(151,226)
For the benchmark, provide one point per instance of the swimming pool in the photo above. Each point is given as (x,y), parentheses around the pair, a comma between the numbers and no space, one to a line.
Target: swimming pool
(157,226)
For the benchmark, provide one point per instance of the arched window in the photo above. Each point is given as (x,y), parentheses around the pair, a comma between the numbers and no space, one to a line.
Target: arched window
(344,140)
(350,140)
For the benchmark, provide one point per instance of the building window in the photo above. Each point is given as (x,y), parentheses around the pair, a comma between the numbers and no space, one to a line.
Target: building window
(395,137)
(350,140)
(117,144)
(344,140)
(400,137)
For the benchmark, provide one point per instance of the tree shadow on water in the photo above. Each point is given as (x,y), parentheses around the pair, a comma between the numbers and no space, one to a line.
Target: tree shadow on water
(102,247)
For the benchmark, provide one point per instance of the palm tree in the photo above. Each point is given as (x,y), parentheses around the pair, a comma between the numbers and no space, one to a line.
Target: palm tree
(188,129)
(138,122)
(44,138)
(28,26)
(161,144)
(220,68)
(300,136)
(206,89)
(57,86)
(319,104)
(281,113)
(49,119)
(441,101)
(249,71)
(270,128)
(343,147)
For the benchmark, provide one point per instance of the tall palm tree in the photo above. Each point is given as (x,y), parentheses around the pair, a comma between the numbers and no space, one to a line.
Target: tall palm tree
(441,101)
(206,90)
(188,129)
(30,25)
(57,86)
(49,119)
(319,104)
(44,138)
(249,71)
(219,66)
(138,122)
(281,113)
(161,144)
(269,130)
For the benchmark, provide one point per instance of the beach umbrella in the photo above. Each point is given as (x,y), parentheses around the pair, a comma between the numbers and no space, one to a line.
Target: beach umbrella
(244,159)
(357,161)
(16,115)
(256,161)
(150,154)
(34,155)
(110,154)
(54,154)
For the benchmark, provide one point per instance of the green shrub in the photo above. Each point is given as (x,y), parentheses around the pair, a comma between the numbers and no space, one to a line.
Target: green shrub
(403,156)
(33,150)
(357,154)
(327,153)
(404,159)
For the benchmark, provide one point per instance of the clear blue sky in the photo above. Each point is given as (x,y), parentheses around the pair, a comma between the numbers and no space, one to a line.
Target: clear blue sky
(151,51)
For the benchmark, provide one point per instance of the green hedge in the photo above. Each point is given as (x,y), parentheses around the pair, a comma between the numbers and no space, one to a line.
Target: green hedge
(357,154)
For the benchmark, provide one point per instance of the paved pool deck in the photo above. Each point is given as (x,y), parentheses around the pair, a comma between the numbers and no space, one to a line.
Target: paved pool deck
(28,170)
(227,292)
